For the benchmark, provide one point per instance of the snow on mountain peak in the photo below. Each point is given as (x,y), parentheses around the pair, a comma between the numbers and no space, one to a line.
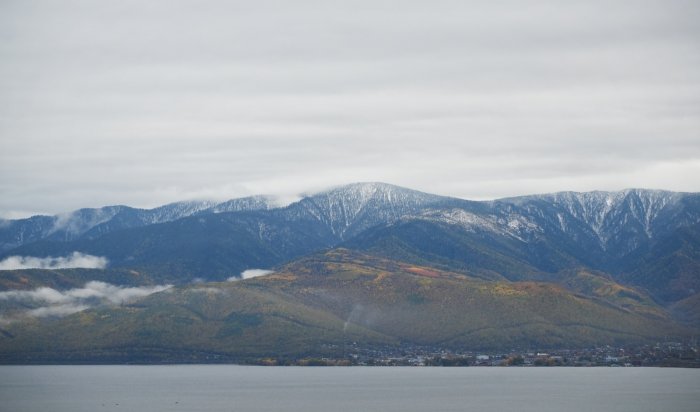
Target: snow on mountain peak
(605,214)
(358,206)
(513,225)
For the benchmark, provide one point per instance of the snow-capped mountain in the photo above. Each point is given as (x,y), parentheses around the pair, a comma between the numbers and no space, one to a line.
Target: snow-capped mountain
(95,222)
(611,222)
(350,209)
(515,225)
(529,237)
(617,222)
(614,222)
(245,203)
(62,227)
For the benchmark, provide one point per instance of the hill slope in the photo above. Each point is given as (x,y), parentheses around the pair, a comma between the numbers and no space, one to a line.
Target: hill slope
(317,305)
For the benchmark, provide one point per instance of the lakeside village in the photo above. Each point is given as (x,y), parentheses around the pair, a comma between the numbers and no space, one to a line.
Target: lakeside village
(667,354)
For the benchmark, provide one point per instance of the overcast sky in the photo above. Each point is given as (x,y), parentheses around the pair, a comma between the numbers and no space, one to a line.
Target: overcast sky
(148,102)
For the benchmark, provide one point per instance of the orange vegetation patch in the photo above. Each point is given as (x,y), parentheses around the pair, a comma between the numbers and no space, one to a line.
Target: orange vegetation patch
(280,276)
(533,287)
(380,277)
(423,272)
(503,289)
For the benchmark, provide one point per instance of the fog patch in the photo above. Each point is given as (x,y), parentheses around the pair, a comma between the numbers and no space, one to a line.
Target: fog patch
(57,311)
(46,302)
(75,260)
(363,316)
(250,273)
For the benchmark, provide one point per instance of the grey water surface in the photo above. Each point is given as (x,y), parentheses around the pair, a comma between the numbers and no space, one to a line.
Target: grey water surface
(312,389)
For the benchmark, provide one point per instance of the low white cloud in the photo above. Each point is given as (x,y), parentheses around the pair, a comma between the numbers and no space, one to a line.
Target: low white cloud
(51,302)
(250,273)
(59,310)
(115,294)
(75,260)
(43,295)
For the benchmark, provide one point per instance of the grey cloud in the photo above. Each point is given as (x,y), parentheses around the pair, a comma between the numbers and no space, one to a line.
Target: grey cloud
(112,103)
(75,260)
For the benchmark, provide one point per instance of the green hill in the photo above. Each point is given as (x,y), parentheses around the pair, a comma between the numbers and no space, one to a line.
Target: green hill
(317,305)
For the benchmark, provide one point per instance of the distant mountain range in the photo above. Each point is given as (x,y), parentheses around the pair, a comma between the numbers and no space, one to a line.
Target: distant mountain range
(634,250)
(530,237)
(92,223)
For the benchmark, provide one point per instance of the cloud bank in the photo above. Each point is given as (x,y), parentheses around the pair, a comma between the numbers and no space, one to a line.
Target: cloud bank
(75,260)
(45,301)
(475,99)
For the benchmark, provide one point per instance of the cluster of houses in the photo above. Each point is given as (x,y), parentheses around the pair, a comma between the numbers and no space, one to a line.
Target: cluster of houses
(660,354)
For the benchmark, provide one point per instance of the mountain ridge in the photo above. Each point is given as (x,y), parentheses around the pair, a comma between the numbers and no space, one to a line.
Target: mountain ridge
(344,201)
(372,264)
(528,237)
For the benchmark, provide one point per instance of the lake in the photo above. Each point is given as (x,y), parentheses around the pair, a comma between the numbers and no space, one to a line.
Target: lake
(310,389)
